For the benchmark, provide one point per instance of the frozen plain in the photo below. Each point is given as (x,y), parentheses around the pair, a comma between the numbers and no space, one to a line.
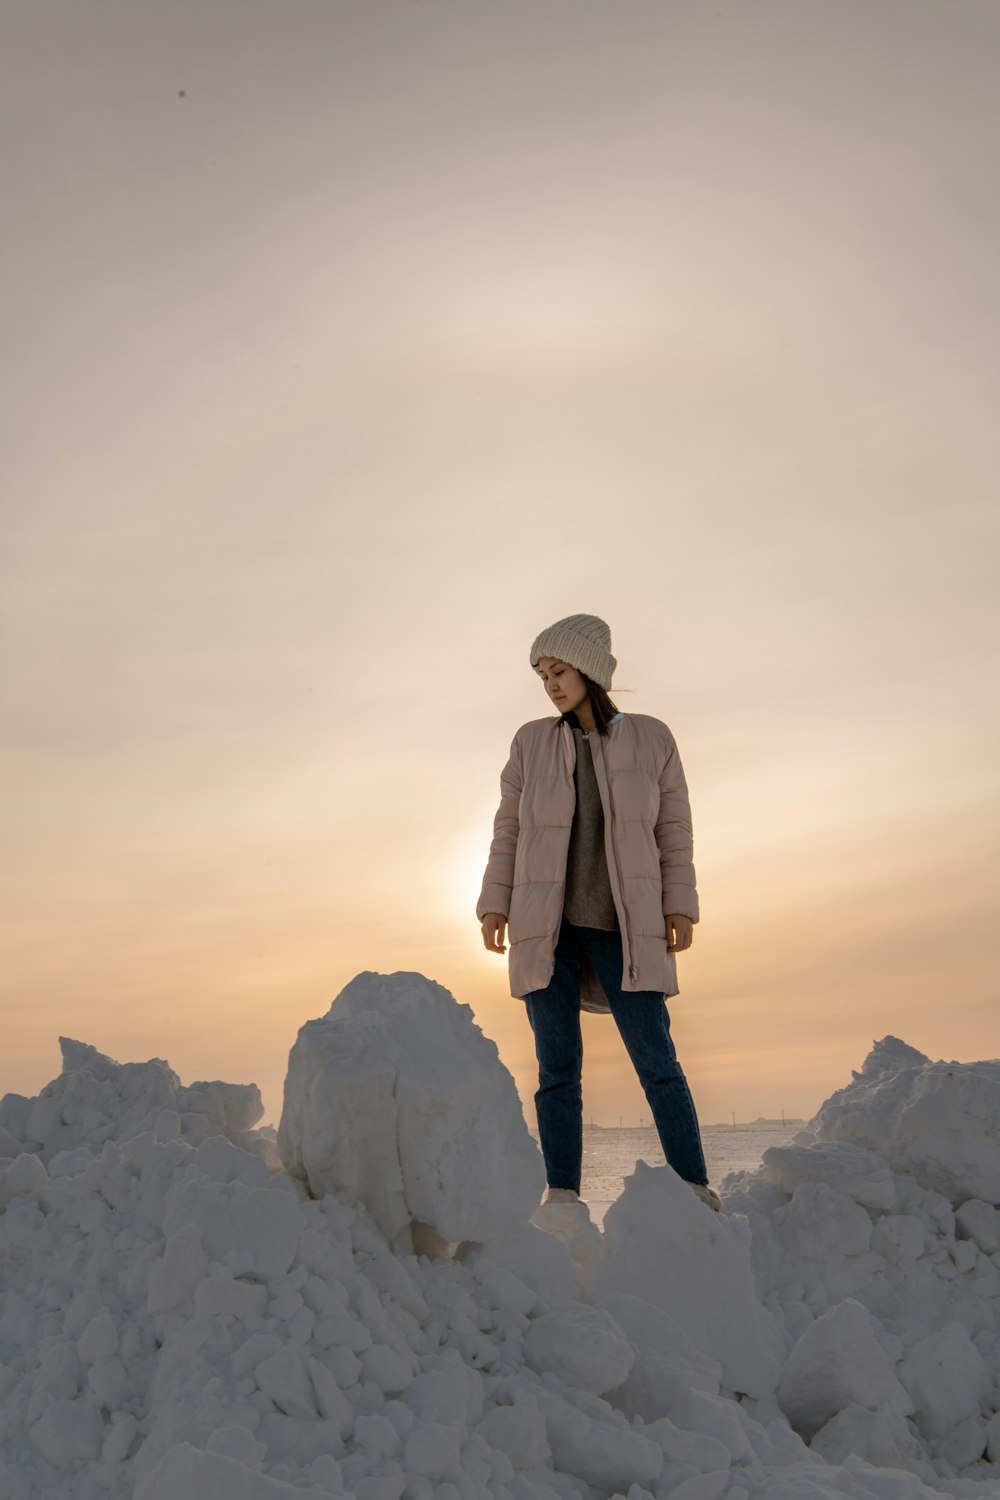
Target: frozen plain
(372,1304)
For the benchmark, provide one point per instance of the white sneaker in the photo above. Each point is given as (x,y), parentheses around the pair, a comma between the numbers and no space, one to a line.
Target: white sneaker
(707,1195)
(562,1195)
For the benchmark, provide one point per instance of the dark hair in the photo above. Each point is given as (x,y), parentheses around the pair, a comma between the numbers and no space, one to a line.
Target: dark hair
(600,704)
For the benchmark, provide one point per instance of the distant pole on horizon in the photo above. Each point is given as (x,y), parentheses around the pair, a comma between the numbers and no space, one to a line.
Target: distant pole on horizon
(782,1117)
(734,1119)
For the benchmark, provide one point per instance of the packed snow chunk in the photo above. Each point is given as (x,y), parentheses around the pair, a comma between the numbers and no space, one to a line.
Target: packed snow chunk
(582,1344)
(68,1430)
(285,1377)
(196,1475)
(822,1222)
(518,1432)
(263,1224)
(540,1263)
(881,1438)
(26,1174)
(95,1099)
(662,1244)
(899,1237)
(939,1121)
(861,1174)
(666,1363)
(839,1362)
(586,1441)
(979,1222)
(434,1451)
(396,1100)
(948,1381)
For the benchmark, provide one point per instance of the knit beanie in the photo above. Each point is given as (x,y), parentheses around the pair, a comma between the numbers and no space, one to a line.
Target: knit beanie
(584,641)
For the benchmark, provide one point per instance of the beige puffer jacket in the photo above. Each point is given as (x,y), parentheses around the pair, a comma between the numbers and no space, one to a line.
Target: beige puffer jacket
(647,839)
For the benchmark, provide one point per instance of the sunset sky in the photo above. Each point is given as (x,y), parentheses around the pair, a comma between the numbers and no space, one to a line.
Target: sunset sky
(348,345)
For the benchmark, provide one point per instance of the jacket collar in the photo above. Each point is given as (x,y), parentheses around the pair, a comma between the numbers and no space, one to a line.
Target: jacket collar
(614,720)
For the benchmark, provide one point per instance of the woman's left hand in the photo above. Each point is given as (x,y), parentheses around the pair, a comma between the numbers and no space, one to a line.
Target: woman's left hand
(679,933)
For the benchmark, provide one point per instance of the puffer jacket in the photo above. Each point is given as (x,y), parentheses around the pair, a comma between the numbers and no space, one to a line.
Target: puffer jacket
(647,839)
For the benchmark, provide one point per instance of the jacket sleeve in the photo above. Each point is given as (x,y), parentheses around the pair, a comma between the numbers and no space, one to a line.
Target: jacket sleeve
(674,839)
(498,880)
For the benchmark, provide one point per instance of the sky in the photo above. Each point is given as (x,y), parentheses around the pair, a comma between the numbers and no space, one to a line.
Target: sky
(349,345)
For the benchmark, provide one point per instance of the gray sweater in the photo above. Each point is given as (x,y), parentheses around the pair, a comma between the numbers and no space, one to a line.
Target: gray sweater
(588,901)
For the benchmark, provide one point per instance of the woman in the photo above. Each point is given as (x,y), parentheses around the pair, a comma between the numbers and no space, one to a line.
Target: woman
(591,869)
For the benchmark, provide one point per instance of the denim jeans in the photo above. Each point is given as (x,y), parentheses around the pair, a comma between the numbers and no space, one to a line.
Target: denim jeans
(644,1023)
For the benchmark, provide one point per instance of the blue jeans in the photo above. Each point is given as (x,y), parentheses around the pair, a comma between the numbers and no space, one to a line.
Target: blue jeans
(644,1023)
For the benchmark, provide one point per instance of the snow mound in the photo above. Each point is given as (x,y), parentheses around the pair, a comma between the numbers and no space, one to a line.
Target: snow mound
(180,1318)
(694,1264)
(938,1120)
(877,1250)
(95,1099)
(395,1099)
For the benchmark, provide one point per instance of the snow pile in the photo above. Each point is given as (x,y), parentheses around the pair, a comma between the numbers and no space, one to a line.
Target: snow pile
(887,1285)
(95,1100)
(937,1120)
(694,1266)
(181,1318)
(415,1117)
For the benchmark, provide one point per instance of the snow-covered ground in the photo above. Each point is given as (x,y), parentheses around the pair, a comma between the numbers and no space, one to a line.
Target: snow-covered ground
(384,1312)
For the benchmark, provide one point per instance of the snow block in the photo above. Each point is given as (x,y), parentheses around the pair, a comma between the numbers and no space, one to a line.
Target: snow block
(862,1175)
(605,1453)
(582,1344)
(979,1222)
(662,1244)
(667,1364)
(948,1380)
(396,1100)
(838,1362)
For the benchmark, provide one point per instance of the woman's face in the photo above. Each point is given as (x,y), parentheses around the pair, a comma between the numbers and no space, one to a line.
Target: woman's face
(562,683)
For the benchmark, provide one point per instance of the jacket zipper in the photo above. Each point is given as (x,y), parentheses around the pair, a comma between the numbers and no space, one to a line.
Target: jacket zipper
(621,887)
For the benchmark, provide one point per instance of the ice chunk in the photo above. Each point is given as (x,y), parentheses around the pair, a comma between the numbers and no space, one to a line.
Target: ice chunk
(395,1099)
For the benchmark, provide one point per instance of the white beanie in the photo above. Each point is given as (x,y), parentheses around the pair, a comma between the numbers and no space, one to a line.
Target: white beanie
(584,641)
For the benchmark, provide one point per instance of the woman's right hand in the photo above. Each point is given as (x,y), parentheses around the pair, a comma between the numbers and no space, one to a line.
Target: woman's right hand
(493,931)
